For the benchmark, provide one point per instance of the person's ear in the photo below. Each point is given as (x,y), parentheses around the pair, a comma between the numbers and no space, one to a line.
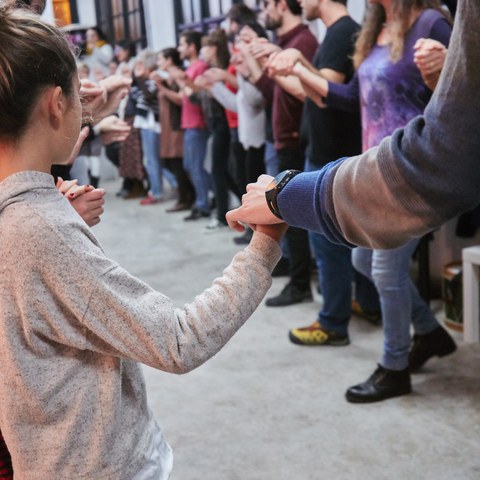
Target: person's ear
(57,106)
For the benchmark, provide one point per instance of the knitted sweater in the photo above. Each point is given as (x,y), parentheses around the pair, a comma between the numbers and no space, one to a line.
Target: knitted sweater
(415,180)
(73,327)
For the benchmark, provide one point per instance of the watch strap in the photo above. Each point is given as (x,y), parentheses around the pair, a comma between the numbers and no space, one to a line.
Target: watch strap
(271,194)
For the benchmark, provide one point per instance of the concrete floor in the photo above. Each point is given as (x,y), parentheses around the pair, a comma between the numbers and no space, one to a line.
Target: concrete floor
(265,409)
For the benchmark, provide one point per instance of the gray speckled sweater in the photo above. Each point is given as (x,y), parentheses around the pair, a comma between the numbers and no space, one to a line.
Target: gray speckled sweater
(74,324)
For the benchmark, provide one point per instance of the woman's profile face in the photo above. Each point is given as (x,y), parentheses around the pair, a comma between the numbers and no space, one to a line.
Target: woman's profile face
(73,116)
(162,62)
(121,53)
(92,36)
(208,53)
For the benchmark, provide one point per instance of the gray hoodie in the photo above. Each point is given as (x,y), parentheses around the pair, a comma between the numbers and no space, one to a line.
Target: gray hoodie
(73,327)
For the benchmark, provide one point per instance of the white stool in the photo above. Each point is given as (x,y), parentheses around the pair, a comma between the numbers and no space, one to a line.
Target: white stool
(471,292)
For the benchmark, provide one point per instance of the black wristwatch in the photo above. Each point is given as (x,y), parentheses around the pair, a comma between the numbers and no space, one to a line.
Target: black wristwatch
(275,187)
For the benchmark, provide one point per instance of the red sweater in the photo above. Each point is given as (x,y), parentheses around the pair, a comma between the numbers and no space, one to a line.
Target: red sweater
(232,117)
(287,109)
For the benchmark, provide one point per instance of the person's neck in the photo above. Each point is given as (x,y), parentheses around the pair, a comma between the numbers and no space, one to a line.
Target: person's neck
(11,163)
(24,155)
(289,23)
(333,13)
(193,58)
(388,11)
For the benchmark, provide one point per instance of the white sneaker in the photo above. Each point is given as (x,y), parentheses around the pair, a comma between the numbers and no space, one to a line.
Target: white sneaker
(215,226)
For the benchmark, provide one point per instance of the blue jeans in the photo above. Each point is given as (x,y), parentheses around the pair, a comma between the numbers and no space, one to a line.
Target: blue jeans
(399,300)
(335,274)
(194,151)
(271,159)
(150,146)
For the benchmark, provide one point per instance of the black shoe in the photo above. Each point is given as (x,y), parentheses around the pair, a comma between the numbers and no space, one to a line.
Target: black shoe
(94,181)
(179,207)
(382,384)
(245,238)
(282,269)
(436,343)
(195,214)
(289,296)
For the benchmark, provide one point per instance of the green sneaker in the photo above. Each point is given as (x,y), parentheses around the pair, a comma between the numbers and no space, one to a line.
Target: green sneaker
(375,318)
(314,334)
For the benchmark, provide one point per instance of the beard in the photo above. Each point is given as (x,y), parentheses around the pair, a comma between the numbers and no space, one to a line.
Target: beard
(272,23)
(310,16)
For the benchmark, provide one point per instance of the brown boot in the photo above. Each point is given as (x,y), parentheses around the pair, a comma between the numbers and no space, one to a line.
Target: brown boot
(179,207)
(137,190)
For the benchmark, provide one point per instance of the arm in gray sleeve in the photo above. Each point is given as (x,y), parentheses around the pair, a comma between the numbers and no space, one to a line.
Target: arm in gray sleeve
(425,173)
(225,97)
(127,318)
(251,94)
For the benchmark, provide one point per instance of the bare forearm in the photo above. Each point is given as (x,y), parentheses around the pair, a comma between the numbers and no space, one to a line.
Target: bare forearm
(313,95)
(231,80)
(255,69)
(173,96)
(292,85)
(312,80)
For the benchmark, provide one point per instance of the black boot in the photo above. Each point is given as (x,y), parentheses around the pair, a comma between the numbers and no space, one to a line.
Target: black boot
(436,343)
(94,181)
(382,384)
(282,269)
(290,295)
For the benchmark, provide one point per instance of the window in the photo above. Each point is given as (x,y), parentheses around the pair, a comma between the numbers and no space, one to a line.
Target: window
(204,14)
(122,19)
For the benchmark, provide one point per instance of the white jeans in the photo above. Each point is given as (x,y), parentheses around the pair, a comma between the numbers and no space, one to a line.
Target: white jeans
(159,465)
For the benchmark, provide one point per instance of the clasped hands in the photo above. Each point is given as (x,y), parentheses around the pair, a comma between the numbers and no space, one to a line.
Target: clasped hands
(255,213)
(274,60)
(85,199)
(99,101)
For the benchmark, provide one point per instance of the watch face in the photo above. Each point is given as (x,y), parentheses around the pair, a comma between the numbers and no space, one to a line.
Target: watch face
(272,184)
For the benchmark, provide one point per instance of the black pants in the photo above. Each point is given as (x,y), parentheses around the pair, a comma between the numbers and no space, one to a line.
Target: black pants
(221,178)
(296,238)
(238,155)
(186,192)
(248,164)
(255,163)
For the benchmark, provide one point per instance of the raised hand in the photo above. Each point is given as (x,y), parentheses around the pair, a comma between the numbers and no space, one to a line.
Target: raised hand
(254,210)
(283,62)
(89,205)
(429,57)
(112,129)
(85,199)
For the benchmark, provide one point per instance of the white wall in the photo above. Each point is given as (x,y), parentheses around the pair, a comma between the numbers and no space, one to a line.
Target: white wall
(48,12)
(86,13)
(356,9)
(160,23)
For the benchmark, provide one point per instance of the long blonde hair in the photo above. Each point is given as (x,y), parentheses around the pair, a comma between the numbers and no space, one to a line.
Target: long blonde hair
(401,15)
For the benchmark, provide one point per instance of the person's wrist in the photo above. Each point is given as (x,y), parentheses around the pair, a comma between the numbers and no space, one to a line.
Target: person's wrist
(274,231)
(298,68)
(275,187)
